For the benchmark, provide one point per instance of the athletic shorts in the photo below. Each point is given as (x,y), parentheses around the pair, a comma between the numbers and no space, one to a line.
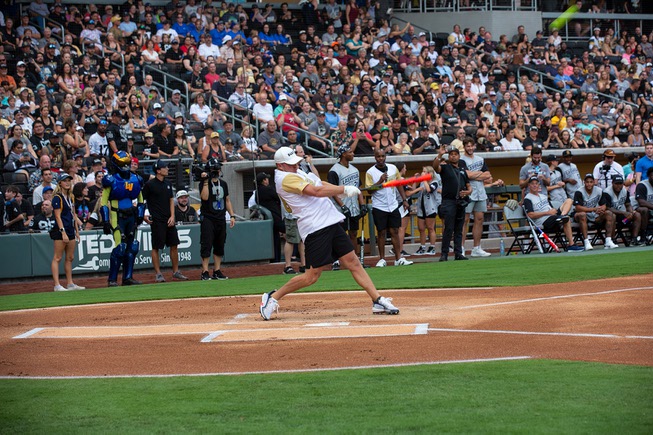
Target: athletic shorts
(292,233)
(327,245)
(163,235)
(350,223)
(213,234)
(476,206)
(384,220)
(431,216)
(551,224)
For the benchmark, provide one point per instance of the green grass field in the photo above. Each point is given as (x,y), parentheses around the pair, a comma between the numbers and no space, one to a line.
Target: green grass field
(527,396)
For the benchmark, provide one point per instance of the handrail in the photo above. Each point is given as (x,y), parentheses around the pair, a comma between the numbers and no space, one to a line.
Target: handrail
(455,6)
(605,96)
(167,76)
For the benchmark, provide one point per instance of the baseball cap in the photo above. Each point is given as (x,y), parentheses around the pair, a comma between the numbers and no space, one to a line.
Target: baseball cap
(64,176)
(91,22)
(178,115)
(160,164)
(533,178)
(21,63)
(181,193)
(533,128)
(215,134)
(47,189)
(467,100)
(156,106)
(226,39)
(321,113)
(551,158)
(161,116)
(617,179)
(608,153)
(97,162)
(453,149)
(286,155)
(566,153)
(179,127)
(261,176)
(588,176)
(342,149)
(282,97)
(176,91)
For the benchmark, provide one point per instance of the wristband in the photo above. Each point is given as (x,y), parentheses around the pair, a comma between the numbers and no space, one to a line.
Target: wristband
(61,230)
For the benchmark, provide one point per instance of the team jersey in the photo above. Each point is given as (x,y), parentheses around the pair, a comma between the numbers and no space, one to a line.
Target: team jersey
(589,199)
(570,172)
(537,203)
(346,176)
(618,201)
(558,194)
(312,213)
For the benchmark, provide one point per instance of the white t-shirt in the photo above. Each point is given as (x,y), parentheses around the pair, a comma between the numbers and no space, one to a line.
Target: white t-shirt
(513,145)
(263,113)
(202,113)
(383,199)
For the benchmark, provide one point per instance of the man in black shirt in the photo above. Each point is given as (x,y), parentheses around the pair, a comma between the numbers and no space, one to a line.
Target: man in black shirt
(184,213)
(167,148)
(214,194)
(157,193)
(116,138)
(456,189)
(424,144)
(532,140)
(44,221)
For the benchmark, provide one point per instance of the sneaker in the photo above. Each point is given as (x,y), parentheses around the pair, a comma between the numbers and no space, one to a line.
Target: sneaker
(384,305)
(463,251)
(268,305)
(288,270)
(73,286)
(335,265)
(609,244)
(60,288)
(575,248)
(131,281)
(392,251)
(450,250)
(159,278)
(302,269)
(636,241)
(430,250)
(217,274)
(461,257)
(479,252)
(443,257)
(421,251)
(588,245)
(180,276)
(205,276)
(113,284)
(403,262)
(404,253)
(562,219)
(381,263)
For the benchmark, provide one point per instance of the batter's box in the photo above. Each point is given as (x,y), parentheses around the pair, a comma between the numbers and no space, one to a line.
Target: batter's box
(316,333)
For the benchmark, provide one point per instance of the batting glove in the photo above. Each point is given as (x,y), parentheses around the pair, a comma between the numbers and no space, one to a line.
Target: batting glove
(351,191)
(345,210)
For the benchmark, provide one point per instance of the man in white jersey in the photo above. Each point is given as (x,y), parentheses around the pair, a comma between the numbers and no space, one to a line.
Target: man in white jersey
(619,204)
(318,221)
(570,174)
(591,206)
(478,174)
(644,198)
(547,217)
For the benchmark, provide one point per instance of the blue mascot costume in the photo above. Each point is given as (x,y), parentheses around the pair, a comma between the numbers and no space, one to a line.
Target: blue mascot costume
(121,218)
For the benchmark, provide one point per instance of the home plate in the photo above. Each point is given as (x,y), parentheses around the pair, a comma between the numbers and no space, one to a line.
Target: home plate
(315,333)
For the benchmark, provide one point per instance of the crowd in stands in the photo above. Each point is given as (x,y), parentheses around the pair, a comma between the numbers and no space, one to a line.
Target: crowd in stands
(323,74)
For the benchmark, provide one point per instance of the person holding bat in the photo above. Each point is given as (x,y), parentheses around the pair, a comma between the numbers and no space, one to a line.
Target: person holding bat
(385,207)
(319,224)
(539,209)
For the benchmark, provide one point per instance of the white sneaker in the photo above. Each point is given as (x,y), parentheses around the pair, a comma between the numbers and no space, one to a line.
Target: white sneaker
(403,262)
(479,252)
(73,286)
(588,245)
(609,244)
(463,251)
(60,288)
(384,305)
(421,251)
(381,263)
(430,250)
(268,306)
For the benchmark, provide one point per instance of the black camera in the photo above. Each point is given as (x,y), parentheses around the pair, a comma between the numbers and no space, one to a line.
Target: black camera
(606,168)
(212,168)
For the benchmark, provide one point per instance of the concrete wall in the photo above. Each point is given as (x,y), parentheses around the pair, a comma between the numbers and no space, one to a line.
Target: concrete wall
(498,23)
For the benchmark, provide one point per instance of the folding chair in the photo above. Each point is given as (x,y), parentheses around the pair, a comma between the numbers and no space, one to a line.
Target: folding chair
(520,230)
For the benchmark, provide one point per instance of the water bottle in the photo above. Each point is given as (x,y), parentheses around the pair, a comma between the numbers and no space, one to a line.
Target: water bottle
(502,247)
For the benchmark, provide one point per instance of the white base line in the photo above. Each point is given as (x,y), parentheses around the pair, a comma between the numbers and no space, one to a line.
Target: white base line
(555,297)
(209,338)
(332,369)
(29,333)
(237,318)
(563,334)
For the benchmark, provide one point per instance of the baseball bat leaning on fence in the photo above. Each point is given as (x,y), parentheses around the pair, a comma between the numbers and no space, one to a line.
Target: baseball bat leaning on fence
(395,183)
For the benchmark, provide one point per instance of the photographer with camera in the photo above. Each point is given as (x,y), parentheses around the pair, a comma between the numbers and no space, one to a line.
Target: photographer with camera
(605,170)
(456,189)
(214,193)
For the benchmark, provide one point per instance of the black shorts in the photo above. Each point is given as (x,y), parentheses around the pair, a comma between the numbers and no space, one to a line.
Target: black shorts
(55,234)
(350,223)
(163,235)
(213,234)
(551,224)
(384,220)
(431,216)
(327,245)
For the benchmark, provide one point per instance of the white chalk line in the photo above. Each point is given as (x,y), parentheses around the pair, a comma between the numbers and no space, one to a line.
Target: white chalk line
(264,372)
(559,334)
(548,298)
(194,299)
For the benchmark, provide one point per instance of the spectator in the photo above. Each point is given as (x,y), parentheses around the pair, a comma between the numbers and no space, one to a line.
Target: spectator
(270,140)
(644,164)
(43,222)
(15,219)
